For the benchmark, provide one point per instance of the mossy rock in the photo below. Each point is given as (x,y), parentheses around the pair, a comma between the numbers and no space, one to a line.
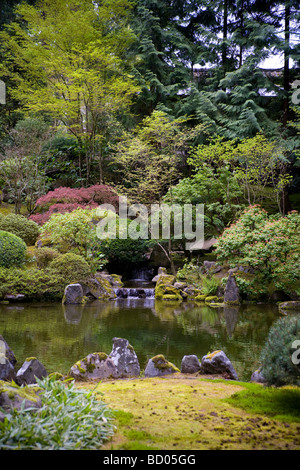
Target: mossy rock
(162,283)
(160,366)
(211,298)
(290,305)
(107,290)
(171,297)
(200,298)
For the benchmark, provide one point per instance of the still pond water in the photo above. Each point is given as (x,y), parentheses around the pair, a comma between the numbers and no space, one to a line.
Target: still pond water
(61,335)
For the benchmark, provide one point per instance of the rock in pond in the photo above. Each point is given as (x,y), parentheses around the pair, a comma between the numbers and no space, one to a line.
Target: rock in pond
(73,294)
(218,363)
(231,294)
(158,366)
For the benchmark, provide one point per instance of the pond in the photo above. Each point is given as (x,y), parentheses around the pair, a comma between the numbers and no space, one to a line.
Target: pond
(60,335)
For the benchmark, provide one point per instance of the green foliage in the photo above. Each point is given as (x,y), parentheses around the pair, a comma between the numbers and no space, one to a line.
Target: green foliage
(71,267)
(45,255)
(127,252)
(147,160)
(12,250)
(71,231)
(24,228)
(268,246)
(281,404)
(34,283)
(279,358)
(82,78)
(69,419)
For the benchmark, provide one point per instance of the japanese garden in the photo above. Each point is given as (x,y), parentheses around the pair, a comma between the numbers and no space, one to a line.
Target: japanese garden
(149,225)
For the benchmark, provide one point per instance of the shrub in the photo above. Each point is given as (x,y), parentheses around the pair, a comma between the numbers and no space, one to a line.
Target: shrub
(64,199)
(44,256)
(34,283)
(71,231)
(269,246)
(71,267)
(12,250)
(278,364)
(19,225)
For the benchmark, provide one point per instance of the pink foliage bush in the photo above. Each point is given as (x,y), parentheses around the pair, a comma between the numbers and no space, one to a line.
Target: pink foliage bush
(62,200)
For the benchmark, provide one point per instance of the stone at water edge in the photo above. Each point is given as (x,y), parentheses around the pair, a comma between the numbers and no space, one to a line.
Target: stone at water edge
(231,293)
(190,364)
(122,362)
(94,366)
(218,363)
(73,294)
(30,371)
(124,358)
(158,366)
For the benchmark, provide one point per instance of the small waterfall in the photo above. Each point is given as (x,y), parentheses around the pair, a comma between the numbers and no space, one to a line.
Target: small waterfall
(134,293)
(142,274)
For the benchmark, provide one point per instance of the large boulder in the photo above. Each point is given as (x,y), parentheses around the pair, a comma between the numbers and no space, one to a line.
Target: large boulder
(122,362)
(158,366)
(31,370)
(218,363)
(95,366)
(190,364)
(102,287)
(231,293)
(73,294)
(124,358)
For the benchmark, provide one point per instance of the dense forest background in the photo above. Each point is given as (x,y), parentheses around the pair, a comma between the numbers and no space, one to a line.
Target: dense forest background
(159,99)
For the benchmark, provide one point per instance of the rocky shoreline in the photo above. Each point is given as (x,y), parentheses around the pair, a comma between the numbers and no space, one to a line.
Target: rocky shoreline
(121,363)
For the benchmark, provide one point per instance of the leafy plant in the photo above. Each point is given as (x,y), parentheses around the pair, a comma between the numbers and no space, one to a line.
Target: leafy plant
(69,419)
(268,246)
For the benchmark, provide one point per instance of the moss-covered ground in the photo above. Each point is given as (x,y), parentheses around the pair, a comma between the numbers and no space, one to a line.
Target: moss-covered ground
(192,413)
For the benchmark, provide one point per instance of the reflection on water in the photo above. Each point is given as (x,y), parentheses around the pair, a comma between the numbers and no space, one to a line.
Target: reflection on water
(59,335)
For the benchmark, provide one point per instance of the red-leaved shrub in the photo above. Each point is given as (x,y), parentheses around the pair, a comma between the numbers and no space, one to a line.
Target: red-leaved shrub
(63,199)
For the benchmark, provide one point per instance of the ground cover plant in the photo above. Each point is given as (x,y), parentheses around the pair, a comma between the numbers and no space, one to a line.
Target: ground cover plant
(68,419)
(194,413)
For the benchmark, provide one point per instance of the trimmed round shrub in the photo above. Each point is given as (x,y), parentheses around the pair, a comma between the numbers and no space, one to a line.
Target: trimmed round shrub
(19,225)
(12,250)
(280,357)
(71,267)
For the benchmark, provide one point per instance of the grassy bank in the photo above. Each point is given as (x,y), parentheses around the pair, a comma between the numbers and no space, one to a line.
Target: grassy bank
(192,413)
